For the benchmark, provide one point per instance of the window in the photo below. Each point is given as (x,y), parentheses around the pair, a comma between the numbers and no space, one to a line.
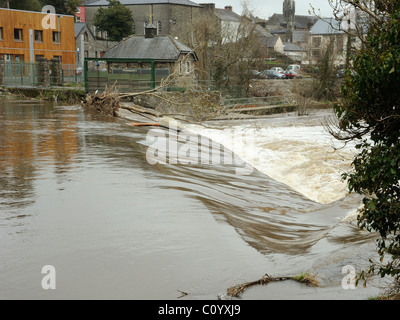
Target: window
(85,37)
(187,66)
(13,58)
(38,56)
(1,33)
(56,36)
(38,35)
(59,58)
(316,54)
(180,67)
(316,42)
(159,27)
(77,19)
(18,35)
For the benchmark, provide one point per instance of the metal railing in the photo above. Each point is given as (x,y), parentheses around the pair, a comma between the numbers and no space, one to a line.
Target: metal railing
(23,74)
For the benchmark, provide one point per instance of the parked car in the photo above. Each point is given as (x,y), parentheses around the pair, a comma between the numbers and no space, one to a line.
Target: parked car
(342,73)
(255,74)
(279,69)
(291,74)
(272,74)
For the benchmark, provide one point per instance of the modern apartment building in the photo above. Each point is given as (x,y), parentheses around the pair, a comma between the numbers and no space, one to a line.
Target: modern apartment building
(26,36)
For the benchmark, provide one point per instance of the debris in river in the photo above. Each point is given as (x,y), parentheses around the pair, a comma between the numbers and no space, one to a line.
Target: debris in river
(106,103)
(237,290)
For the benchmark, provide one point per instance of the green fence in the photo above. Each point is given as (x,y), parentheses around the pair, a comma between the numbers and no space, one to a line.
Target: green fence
(29,74)
(126,75)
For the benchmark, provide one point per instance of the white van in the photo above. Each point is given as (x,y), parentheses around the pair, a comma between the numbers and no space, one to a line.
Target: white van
(294,67)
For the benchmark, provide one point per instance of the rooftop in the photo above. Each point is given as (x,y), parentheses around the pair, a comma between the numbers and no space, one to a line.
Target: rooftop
(326,26)
(301,21)
(159,48)
(133,2)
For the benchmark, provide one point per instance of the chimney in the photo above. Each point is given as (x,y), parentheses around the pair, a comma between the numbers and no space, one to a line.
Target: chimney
(150,31)
(208,6)
(228,8)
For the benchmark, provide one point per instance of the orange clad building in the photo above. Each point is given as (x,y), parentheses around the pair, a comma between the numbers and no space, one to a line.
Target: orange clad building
(26,35)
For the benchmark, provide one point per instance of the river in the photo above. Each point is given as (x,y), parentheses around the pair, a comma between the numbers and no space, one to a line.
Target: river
(79,193)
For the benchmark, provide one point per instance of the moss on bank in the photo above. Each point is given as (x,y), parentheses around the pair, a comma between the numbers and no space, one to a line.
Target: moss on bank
(70,95)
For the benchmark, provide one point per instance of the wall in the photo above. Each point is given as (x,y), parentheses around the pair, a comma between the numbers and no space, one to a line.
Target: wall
(174,18)
(94,48)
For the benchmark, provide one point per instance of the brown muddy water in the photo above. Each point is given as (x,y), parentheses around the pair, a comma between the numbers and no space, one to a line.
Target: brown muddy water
(78,193)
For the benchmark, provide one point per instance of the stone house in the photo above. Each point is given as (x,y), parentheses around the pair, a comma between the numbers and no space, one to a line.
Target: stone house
(170,55)
(327,32)
(87,46)
(170,17)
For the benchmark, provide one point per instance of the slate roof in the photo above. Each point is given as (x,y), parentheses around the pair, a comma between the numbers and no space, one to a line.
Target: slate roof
(271,41)
(227,15)
(133,2)
(79,26)
(326,26)
(159,48)
(261,32)
(301,22)
(289,46)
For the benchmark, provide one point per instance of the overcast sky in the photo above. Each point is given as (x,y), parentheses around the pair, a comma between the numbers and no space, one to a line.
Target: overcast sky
(266,8)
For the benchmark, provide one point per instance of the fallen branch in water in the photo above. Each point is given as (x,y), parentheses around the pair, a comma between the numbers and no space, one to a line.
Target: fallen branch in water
(237,290)
(141,110)
(105,103)
(183,294)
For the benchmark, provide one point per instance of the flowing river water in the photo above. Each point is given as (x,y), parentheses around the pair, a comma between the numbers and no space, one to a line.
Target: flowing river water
(79,192)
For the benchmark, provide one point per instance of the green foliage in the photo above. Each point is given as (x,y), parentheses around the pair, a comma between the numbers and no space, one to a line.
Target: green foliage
(67,7)
(370,112)
(117,20)
(29,5)
(61,6)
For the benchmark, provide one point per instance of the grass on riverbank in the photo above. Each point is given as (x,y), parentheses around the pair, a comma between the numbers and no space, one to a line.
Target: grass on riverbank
(70,95)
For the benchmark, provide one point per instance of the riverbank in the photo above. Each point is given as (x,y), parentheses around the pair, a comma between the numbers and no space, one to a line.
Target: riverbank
(69,95)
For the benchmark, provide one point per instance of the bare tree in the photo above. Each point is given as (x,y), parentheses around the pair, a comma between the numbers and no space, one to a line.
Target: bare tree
(227,51)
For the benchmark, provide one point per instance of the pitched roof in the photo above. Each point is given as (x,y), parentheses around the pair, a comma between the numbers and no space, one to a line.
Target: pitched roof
(159,48)
(227,15)
(133,2)
(301,22)
(261,32)
(79,26)
(326,26)
(289,46)
(269,42)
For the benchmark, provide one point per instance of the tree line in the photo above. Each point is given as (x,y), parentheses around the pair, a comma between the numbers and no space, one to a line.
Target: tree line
(67,7)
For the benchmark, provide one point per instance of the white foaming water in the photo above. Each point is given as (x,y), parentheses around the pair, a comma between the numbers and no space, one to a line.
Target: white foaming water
(299,153)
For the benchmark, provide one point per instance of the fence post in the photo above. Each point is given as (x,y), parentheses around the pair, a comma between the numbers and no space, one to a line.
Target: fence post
(44,72)
(153,75)
(1,71)
(56,71)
